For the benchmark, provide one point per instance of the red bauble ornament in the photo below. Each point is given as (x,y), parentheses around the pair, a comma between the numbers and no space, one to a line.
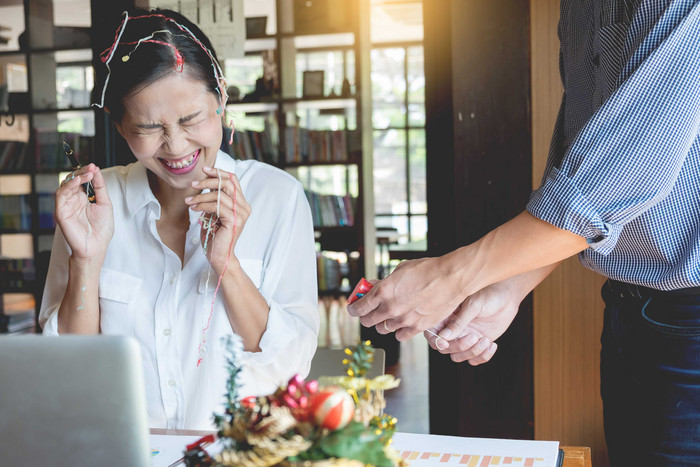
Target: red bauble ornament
(332,408)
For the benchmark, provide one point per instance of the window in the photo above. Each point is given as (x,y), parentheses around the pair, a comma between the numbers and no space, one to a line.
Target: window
(398,121)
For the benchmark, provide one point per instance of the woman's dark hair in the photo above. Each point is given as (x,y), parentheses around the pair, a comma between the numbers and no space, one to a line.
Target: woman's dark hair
(134,67)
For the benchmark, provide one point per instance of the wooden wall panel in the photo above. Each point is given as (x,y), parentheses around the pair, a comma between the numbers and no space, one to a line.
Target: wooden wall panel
(567,308)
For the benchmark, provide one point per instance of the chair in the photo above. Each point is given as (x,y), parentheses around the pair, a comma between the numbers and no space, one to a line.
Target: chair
(329,362)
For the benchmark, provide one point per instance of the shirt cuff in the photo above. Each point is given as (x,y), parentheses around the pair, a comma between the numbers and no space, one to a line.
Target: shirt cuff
(560,202)
(50,326)
(276,339)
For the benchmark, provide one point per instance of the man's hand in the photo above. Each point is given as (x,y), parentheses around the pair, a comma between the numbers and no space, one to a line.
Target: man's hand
(414,297)
(469,333)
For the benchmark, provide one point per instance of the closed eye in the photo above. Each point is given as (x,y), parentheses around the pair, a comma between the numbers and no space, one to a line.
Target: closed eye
(191,119)
(150,127)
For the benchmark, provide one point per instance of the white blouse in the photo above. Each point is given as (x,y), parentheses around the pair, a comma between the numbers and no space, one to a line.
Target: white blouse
(146,292)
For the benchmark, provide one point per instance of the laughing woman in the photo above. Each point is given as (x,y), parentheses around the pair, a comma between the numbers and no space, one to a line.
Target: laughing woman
(186,246)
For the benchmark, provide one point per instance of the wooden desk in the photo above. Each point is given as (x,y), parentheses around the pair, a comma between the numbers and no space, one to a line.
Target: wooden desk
(576,456)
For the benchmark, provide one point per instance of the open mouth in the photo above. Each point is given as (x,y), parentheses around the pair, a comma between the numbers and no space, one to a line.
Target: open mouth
(180,166)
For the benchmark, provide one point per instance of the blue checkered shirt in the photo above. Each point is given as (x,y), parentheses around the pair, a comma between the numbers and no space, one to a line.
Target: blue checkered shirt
(624,163)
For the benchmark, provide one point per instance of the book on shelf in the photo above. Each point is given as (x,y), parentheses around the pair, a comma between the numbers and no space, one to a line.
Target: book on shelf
(18,313)
(13,156)
(49,152)
(303,145)
(47,206)
(258,145)
(15,212)
(329,272)
(16,273)
(331,210)
(18,323)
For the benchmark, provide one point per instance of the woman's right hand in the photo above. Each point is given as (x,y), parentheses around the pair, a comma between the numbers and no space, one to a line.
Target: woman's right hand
(87,227)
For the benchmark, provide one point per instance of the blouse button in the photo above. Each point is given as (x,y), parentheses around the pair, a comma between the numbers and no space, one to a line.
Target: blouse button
(195,241)
(166,332)
(171,383)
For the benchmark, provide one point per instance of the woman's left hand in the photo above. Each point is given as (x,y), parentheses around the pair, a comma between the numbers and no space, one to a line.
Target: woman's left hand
(233,212)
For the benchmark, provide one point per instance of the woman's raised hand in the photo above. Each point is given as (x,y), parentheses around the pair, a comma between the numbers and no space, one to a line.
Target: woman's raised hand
(228,208)
(87,227)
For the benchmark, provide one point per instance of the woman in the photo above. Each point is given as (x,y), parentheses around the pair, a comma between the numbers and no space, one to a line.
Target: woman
(186,246)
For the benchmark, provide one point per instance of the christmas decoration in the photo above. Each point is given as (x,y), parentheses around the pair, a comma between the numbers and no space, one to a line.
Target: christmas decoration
(332,408)
(334,422)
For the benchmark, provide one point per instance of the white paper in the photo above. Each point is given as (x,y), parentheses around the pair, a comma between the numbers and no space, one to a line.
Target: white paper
(166,449)
(427,450)
(223,21)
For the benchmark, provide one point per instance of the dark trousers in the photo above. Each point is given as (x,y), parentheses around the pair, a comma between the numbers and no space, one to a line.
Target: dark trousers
(650,376)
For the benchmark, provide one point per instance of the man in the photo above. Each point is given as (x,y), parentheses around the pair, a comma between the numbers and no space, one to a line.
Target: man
(621,190)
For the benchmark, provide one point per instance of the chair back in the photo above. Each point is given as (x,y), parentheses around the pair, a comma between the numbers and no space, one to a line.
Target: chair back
(329,362)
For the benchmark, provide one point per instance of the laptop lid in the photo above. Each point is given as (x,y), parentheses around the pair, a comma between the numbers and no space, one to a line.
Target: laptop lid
(72,401)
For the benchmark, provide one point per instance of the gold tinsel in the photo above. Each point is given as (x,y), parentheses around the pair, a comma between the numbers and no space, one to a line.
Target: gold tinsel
(269,446)
(268,452)
(279,420)
(369,407)
(324,463)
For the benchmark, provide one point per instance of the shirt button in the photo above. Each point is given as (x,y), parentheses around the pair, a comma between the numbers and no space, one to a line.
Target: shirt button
(195,241)
(172,279)
(166,332)
(596,59)
(172,383)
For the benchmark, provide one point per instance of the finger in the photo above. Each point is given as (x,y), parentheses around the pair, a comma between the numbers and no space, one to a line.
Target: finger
(212,184)
(67,179)
(71,191)
(474,351)
(405,333)
(72,180)
(435,341)
(455,325)
(374,317)
(370,302)
(224,213)
(99,186)
(485,356)
(464,344)
(236,183)
(220,179)
(242,206)
(211,197)
(214,172)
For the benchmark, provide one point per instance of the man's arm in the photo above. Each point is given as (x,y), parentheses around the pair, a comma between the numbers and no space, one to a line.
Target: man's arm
(422,293)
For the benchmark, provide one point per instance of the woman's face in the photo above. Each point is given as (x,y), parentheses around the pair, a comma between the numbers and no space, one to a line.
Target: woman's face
(172,127)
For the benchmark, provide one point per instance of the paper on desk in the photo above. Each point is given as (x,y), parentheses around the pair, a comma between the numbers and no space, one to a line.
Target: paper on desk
(427,450)
(166,449)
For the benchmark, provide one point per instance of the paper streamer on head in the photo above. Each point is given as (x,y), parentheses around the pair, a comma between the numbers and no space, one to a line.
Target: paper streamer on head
(107,55)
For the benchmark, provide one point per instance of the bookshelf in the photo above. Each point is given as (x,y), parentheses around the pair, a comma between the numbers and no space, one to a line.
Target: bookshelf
(316,130)
(321,136)
(46,79)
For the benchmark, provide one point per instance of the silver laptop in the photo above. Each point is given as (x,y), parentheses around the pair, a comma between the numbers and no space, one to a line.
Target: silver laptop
(72,401)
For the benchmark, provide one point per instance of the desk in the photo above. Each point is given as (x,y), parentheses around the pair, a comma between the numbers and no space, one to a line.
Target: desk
(574,456)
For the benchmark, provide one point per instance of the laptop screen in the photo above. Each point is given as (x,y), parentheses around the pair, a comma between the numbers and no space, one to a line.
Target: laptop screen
(72,400)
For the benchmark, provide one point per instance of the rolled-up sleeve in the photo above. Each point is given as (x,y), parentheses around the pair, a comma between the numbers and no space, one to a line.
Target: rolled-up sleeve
(627,157)
(289,285)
